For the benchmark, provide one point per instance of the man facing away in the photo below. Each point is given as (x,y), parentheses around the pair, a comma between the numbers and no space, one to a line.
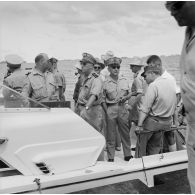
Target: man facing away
(15,79)
(156,112)
(184,14)
(155,61)
(41,85)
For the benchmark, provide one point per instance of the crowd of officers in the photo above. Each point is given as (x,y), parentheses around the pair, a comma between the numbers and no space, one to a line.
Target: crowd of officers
(104,98)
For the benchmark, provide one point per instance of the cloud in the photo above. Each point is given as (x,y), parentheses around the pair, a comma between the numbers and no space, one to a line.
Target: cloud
(68,28)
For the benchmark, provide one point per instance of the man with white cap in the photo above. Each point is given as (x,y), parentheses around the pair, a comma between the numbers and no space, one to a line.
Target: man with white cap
(15,79)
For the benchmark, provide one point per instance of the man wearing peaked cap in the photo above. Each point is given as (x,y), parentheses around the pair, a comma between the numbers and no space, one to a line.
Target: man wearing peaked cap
(15,79)
(112,61)
(88,58)
(90,96)
(115,89)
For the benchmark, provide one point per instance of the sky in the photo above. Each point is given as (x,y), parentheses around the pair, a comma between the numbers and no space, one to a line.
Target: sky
(67,29)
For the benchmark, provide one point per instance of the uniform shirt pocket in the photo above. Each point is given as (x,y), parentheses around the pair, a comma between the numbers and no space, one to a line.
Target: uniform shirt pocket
(111,94)
(39,91)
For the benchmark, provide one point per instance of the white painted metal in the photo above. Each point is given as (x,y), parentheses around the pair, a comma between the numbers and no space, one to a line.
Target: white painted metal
(103,173)
(58,137)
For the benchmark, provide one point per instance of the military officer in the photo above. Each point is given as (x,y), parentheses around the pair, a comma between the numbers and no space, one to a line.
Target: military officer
(138,89)
(41,85)
(115,88)
(184,13)
(90,96)
(14,79)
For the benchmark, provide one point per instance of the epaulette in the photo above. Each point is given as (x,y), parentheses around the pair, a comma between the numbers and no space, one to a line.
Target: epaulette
(95,75)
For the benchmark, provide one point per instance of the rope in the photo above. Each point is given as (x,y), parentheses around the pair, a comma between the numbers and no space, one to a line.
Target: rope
(144,169)
(37,181)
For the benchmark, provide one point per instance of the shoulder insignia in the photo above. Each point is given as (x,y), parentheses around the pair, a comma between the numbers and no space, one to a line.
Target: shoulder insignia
(95,75)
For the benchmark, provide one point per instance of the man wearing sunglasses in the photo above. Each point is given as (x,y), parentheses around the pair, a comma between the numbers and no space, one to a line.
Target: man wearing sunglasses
(184,14)
(116,88)
(90,96)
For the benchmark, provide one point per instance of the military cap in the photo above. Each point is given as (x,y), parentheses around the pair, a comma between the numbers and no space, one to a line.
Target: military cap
(136,62)
(100,62)
(13,60)
(88,58)
(113,60)
(151,69)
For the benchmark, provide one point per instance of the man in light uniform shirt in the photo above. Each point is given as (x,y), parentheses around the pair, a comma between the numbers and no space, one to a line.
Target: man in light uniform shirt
(155,60)
(156,111)
(184,13)
(41,85)
(114,90)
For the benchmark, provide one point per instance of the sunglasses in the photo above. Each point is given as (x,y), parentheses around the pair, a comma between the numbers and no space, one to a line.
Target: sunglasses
(97,67)
(174,5)
(114,67)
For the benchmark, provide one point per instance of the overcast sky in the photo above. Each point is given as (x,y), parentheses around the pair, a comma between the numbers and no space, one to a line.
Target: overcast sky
(67,29)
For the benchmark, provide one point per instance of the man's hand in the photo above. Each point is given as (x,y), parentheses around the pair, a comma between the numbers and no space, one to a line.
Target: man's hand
(128,107)
(122,99)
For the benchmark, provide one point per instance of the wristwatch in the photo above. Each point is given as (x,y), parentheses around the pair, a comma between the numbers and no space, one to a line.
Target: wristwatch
(87,107)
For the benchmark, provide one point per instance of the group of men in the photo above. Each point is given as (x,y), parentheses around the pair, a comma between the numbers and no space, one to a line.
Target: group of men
(105,100)
(43,84)
(110,99)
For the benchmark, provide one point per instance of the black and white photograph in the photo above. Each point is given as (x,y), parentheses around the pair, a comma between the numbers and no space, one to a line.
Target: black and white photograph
(97,97)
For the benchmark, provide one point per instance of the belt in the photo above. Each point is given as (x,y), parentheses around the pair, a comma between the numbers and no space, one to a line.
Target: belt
(161,118)
(112,104)
(79,104)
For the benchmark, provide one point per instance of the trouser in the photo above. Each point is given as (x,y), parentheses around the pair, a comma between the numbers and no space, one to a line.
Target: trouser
(94,117)
(117,115)
(118,138)
(152,142)
(191,155)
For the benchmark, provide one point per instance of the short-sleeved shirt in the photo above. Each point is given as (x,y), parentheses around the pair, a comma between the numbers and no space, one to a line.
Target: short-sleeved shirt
(171,77)
(139,84)
(187,67)
(160,98)
(114,90)
(15,81)
(40,86)
(60,79)
(92,85)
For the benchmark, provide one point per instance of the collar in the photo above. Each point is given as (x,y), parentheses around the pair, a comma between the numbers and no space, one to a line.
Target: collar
(35,71)
(190,36)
